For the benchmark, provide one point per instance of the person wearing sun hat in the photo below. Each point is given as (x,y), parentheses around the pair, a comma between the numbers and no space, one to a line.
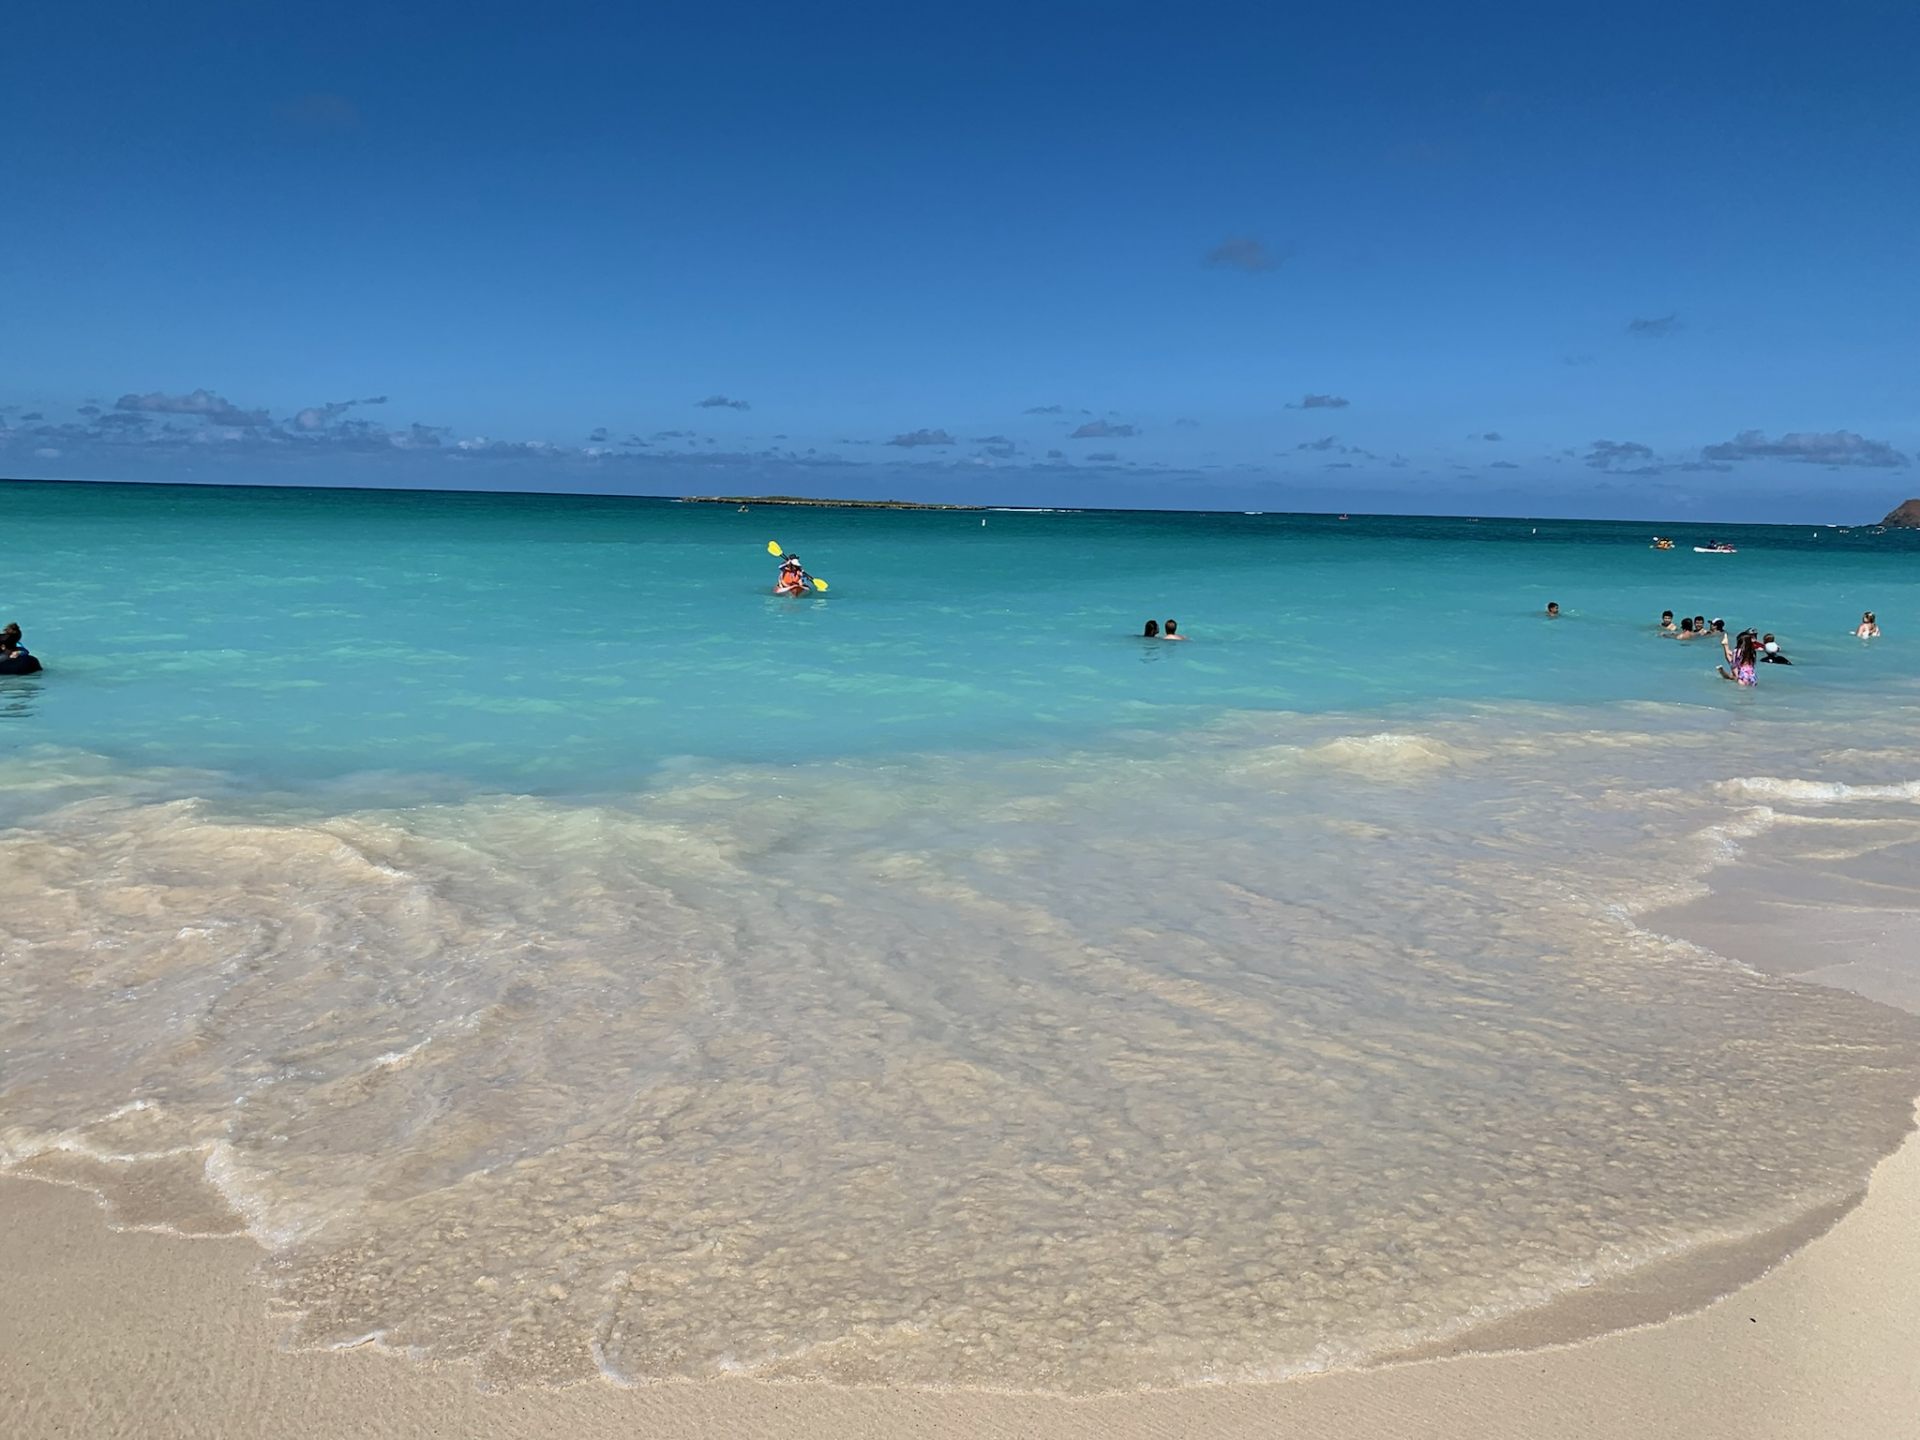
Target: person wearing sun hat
(793,580)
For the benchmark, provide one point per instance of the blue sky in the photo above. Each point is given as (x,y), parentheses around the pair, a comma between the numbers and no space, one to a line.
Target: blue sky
(1630,260)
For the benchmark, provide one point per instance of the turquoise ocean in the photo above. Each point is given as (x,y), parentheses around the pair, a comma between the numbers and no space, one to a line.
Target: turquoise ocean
(559,643)
(563,954)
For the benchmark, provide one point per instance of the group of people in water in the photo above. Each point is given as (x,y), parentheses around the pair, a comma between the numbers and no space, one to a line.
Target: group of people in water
(1744,652)
(15,658)
(1748,650)
(1155,631)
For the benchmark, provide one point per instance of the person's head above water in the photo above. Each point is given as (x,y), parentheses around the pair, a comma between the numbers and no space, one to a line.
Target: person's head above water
(1172,627)
(1666,617)
(1152,632)
(1686,627)
(1553,608)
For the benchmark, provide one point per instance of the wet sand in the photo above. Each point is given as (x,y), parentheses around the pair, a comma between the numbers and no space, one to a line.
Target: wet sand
(1822,1346)
(109,1333)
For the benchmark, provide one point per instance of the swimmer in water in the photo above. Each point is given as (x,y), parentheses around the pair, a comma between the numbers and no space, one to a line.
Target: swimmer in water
(17,658)
(1868,628)
(1152,632)
(1742,658)
(1770,651)
(1172,631)
(1553,609)
(1686,630)
(1666,622)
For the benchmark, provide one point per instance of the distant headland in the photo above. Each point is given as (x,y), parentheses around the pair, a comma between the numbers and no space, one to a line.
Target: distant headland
(1904,517)
(828,504)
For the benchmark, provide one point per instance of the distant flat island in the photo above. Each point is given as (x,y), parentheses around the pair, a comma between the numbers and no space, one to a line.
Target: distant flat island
(831,504)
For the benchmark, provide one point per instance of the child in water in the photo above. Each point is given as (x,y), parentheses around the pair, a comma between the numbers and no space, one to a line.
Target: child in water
(1742,658)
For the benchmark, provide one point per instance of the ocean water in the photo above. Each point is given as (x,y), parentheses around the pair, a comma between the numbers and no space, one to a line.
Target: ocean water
(558,644)
(561,954)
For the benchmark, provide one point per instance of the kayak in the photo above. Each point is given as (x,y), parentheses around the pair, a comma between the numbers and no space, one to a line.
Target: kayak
(1715,550)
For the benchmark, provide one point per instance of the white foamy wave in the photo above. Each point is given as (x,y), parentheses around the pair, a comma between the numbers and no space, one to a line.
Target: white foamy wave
(1819,792)
(1387,751)
(1387,756)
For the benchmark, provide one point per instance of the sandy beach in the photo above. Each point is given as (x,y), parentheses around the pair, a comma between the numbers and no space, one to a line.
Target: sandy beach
(112,1333)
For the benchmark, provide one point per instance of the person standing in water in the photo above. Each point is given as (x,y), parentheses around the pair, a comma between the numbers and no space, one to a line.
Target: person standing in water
(1742,659)
(1172,632)
(1152,632)
(1868,628)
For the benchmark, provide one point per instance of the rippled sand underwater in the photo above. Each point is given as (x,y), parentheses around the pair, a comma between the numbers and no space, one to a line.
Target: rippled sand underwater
(1278,1048)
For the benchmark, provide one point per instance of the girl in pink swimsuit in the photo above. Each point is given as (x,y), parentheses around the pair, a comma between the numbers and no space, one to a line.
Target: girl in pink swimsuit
(1742,660)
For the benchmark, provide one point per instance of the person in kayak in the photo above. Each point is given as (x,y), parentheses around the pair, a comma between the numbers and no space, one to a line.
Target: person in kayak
(793,580)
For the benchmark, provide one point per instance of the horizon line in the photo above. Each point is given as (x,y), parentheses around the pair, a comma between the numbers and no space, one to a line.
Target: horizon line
(908,506)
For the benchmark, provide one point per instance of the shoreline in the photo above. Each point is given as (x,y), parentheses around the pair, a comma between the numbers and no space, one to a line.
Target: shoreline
(161,1335)
(140,1333)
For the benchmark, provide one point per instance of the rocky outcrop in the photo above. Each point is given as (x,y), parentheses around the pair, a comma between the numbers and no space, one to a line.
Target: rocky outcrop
(1904,517)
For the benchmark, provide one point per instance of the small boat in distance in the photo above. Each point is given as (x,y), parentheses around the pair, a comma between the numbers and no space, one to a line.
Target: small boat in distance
(1719,547)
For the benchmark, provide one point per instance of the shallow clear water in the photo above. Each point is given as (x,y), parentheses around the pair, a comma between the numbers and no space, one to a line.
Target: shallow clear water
(914,987)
